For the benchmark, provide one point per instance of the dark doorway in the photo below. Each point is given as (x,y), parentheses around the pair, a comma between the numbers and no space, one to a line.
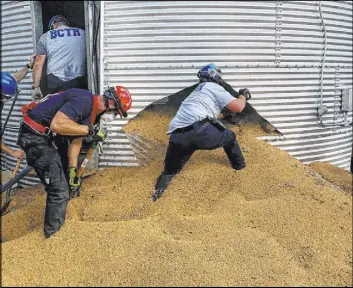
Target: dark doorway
(73,11)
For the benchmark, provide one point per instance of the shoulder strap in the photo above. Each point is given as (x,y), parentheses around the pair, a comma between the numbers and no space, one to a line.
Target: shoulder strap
(97,107)
(31,105)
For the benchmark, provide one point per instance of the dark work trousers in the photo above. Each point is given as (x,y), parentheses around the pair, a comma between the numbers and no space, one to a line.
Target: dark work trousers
(55,84)
(203,136)
(46,161)
(63,143)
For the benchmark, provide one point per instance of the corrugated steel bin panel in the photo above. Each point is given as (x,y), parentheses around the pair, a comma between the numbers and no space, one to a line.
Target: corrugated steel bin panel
(273,48)
(16,48)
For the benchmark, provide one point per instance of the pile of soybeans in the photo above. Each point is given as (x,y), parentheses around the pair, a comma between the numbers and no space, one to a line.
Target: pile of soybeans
(276,223)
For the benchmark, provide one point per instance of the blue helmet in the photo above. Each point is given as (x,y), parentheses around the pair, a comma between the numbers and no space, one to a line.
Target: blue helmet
(56,18)
(210,72)
(8,86)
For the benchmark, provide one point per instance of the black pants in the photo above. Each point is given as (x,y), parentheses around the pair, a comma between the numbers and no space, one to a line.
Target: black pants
(203,136)
(55,84)
(46,161)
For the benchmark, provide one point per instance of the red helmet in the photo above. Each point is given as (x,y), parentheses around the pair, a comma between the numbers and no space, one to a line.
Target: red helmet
(121,98)
(124,96)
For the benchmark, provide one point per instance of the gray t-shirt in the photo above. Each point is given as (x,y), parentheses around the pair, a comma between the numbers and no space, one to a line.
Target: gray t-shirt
(65,49)
(208,99)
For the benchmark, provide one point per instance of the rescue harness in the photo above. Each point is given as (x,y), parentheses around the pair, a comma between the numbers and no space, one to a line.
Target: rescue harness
(44,130)
(33,125)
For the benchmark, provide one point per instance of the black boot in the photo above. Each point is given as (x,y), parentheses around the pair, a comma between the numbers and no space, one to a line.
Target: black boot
(162,184)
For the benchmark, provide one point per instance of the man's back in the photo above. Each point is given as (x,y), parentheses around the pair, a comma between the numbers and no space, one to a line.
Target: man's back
(74,103)
(207,100)
(66,51)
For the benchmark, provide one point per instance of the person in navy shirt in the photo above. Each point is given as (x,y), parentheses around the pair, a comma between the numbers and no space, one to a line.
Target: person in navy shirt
(73,113)
(74,103)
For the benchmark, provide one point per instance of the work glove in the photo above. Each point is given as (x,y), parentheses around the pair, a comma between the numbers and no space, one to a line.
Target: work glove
(37,94)
(95,134)
(246,93)
(74,182)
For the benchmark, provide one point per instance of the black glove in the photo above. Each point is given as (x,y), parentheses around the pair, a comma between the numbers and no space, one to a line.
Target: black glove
(246,93)
(95,134)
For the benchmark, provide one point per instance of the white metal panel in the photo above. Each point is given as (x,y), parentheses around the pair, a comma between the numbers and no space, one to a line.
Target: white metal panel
(340,29)
(155,48)
(16,49)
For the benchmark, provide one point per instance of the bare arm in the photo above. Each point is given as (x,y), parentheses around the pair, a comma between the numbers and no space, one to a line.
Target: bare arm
(20,74)
(74,151)
(38,69)
(13,153)
(63,125)
(237,105)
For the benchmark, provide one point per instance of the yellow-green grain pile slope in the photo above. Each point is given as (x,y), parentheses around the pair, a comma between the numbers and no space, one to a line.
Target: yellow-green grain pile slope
(276,223)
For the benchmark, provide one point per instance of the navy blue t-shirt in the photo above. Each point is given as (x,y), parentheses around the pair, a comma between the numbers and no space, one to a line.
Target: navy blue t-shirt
(74,103)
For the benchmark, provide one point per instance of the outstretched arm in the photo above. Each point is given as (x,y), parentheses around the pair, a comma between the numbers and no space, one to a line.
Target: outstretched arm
(20,74)
(237,105)
(74,151)
(14,153)
(38,69)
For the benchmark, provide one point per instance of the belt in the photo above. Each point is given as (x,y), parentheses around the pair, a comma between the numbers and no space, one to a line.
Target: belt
(36,127)
(190,127)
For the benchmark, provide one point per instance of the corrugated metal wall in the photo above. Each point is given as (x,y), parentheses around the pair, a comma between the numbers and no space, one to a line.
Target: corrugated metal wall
(16,48)
(302,49)
(276,49)
(155,48)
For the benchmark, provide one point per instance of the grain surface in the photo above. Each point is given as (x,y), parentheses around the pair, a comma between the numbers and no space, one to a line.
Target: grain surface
(275,223)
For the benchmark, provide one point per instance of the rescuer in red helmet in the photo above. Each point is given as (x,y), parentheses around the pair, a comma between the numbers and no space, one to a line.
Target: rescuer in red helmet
(73,113)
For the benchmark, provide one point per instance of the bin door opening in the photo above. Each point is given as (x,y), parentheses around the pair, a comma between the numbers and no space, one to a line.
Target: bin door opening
(73,11)
(76,13)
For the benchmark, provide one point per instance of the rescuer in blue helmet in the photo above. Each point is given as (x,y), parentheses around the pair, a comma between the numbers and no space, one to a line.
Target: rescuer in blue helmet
(196,126)
(9,90)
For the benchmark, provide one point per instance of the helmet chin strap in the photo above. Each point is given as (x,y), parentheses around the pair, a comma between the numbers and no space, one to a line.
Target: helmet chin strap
(110,94)
(106,103)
